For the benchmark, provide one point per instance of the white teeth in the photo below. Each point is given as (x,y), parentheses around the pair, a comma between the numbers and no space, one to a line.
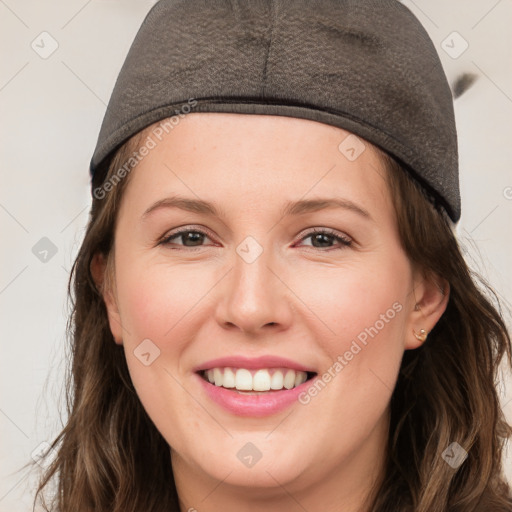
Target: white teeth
(255,380)
(217,376)
(289,379)
(300,378)
(243,380)
(277,381)
(261,381)
(229,378)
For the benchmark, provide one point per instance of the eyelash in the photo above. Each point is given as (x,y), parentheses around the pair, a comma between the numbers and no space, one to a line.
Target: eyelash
(345,241)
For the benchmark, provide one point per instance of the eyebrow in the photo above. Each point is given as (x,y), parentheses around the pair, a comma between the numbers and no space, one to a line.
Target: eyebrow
(299,207)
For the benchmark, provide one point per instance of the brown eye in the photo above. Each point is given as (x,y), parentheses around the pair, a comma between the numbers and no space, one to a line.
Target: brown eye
(324,238)
(189,238)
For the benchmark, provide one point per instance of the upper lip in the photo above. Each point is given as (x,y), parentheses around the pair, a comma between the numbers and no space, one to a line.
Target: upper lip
(266,361)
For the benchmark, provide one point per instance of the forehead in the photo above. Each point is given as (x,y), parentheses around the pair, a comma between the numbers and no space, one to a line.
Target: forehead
(251,161)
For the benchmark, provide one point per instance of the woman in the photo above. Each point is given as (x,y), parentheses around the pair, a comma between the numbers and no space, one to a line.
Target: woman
(271,308)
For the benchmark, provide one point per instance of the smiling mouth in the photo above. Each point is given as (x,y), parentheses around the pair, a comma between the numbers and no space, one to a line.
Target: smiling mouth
(253,382)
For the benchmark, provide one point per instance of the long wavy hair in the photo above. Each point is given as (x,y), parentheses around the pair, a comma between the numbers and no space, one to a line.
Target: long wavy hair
(111,458)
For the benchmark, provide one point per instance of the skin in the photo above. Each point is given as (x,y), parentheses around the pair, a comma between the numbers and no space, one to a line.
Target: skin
(300,299)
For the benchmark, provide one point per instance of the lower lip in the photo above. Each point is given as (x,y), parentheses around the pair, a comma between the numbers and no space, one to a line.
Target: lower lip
(264,404)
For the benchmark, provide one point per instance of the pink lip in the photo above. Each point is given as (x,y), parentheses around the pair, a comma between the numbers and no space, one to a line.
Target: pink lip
(252,405)
(252,363)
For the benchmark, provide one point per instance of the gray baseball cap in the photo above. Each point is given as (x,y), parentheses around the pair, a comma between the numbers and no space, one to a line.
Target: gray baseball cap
(367,66)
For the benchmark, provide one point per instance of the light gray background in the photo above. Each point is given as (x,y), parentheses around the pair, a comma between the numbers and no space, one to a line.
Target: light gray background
(51,110)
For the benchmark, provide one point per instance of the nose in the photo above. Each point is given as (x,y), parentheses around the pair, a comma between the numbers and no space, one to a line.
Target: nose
(254,297)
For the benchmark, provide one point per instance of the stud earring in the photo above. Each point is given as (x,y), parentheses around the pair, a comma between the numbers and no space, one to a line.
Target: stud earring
(422,335)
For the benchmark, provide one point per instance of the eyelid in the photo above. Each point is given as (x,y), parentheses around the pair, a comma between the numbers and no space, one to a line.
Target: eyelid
(329,231)
(185,229)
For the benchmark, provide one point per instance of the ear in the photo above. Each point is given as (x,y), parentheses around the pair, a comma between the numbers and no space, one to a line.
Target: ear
(430,298)
(98,272)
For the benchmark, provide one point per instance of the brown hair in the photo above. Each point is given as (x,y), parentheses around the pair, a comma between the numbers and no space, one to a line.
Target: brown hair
(111,458)
(446,390)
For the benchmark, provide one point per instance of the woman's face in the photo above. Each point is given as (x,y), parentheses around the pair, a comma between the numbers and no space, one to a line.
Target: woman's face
(251,281)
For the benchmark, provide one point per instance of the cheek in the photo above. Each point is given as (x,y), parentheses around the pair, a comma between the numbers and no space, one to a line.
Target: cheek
(159,303)
(158,299)
(356,302)
(359,321)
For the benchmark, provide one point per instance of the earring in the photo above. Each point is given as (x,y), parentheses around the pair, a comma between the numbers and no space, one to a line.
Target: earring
(421,336)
